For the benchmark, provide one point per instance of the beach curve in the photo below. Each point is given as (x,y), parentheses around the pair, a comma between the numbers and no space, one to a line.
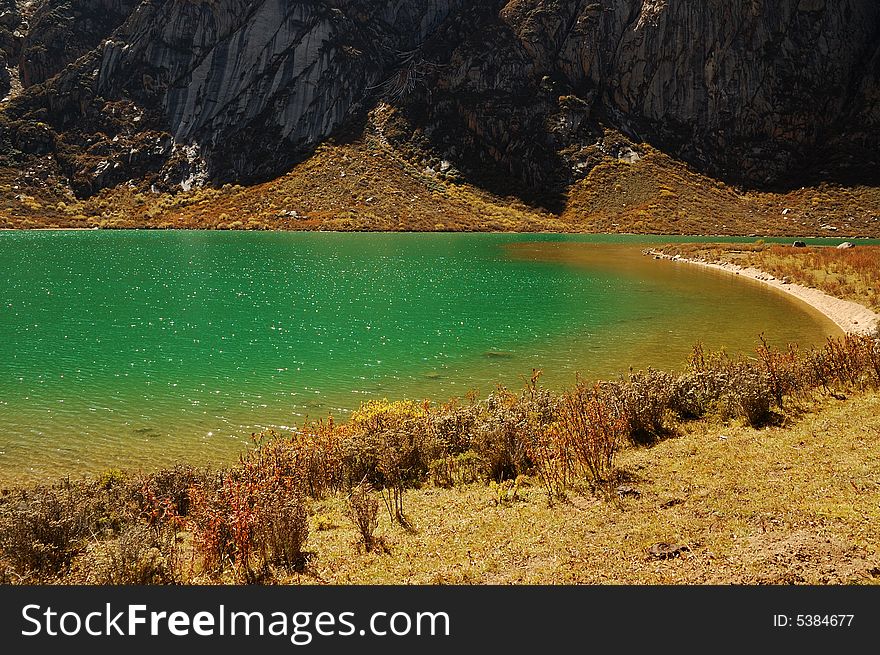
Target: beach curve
(849,316)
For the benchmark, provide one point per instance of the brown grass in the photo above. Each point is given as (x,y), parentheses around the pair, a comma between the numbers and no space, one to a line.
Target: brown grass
(851,274)
(367,183)
(787,504)
(660,195)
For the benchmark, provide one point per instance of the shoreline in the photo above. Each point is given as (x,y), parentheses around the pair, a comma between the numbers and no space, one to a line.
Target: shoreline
(683,235)
(849,316)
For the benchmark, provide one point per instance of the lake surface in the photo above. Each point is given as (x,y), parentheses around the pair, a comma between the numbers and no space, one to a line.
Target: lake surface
(138,349)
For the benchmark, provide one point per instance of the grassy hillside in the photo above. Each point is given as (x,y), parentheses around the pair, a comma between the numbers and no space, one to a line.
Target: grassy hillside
(367,183)
(790,504)
(657,194)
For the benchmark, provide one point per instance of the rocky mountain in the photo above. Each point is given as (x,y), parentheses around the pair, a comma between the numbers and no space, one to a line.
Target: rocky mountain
(509,94)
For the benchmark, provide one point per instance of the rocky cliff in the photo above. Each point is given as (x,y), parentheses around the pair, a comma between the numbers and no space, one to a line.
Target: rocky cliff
(515,95)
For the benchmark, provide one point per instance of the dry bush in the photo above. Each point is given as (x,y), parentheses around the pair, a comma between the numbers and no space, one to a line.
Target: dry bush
(137,559)
(735,387)
(696,392)
(500,438)
(282,525)
(254,516)
(441,471)
(133,558)
(211,525)
(396,464)
(391,445)
(748,394)
(320,447)
(594,424)
(783,372)
(853,361)
(746,389)
(43,529)
(390,439)
(167,492)
(646,397)
(506,426)
(363,508)
(693,394)
(553,462)
(453,426)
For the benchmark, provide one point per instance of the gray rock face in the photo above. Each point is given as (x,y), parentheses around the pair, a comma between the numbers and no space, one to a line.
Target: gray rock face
(60,32)
(745,89)
(272,77)
(750,90)
(730,78)
(10,42)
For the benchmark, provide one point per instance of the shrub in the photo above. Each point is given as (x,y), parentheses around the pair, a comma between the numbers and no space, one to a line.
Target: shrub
(441,472)
(134,558)
(42,530)
(467,468)
(646,399)
(391,446)
(853,360)
(453,426)
(282,525)
(319,448)
(254,516)
(748,394)
(507,426)
(211,524)
(550,454)
(693,394)
(738,388)
(167,492)
(390,439)
(696,392)
(364,512)
(500,439)
(593,424)
(397,464)
(782,371)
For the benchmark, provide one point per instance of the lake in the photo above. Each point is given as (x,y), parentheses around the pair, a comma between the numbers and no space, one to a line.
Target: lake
(137,349)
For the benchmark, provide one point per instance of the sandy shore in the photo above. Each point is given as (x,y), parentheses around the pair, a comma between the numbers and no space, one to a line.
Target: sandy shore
(849,316)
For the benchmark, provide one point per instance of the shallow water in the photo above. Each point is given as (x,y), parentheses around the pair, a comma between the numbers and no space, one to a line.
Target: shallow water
(138,349)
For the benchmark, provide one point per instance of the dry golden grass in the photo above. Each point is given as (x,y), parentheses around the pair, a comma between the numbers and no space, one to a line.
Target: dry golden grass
(660,195)
(790,504)
(851,274)
(342,186)
(368,184)
(711,500)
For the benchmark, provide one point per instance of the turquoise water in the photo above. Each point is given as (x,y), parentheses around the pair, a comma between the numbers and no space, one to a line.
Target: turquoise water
(137,348)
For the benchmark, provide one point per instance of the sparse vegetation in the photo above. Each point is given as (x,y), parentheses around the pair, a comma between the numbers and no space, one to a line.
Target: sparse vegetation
(850,273)
(251,522)
(364,511)
(367,183)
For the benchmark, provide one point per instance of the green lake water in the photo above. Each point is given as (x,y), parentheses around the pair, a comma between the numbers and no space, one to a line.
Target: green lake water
(137,349)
